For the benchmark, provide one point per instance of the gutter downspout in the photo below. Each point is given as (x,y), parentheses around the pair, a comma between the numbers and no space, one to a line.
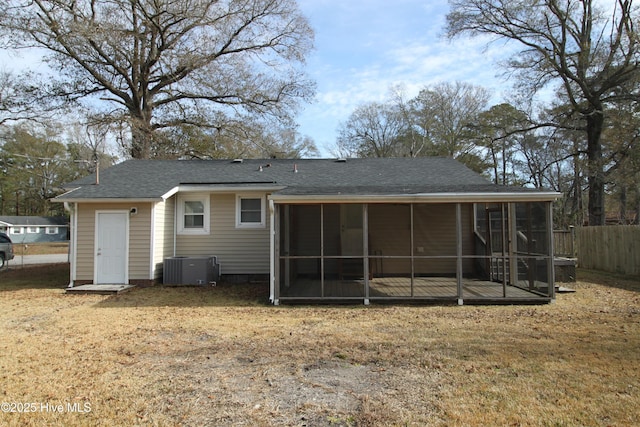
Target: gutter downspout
(175,226)
(152,243)
(72,208)
(272,261)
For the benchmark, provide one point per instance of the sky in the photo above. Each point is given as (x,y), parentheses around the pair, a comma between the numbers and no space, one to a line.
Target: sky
(365,47)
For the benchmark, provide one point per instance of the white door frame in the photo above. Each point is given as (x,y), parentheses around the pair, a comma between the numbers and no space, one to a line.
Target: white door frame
(96,233)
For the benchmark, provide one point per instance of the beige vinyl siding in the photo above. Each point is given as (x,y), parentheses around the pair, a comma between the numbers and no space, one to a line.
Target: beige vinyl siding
(85,232)
(389,236)
(139,238)
(140,243)
(239,251)
(434,236)
(164,215)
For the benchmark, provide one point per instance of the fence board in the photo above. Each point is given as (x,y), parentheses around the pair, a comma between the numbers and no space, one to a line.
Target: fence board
(563,243)
(609,248)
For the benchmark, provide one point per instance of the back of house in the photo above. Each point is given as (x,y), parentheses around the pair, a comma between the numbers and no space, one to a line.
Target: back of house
(418,229)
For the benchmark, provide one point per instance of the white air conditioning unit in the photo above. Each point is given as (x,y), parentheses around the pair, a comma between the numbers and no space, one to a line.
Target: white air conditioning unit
(191,271)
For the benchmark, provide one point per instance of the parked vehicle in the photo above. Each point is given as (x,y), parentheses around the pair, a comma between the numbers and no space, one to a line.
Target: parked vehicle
(6,249)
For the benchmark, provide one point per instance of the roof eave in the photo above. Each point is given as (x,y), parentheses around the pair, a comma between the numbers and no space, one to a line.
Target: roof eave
(419,197)
(68,196)
(107,200)
(227,188)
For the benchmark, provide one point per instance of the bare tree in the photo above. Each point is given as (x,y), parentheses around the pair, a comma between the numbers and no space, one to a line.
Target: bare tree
(161,63)
(242,138)
(593,55)
(445,115)
(88,148)
(415,141)
(372,130)
(622,150)
(17,102)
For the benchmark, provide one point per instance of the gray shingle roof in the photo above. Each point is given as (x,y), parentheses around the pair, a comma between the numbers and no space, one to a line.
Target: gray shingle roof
(34,220)
(151,179)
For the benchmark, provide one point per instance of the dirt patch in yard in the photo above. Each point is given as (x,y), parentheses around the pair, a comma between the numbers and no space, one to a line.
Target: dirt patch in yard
(222,356)
(215,384)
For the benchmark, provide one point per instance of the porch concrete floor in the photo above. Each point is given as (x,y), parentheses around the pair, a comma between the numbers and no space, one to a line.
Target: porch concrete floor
(99,289)
(400,288)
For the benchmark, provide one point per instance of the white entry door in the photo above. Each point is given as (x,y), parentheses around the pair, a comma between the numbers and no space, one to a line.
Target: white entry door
(111,247)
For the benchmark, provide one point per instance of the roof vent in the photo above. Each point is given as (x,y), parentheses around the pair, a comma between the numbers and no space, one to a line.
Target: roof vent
(236,161)
(341,160)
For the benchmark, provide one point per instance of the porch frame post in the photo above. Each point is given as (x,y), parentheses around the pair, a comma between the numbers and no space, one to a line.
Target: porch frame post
(551,274)
(287,244)
(504,231)
(531,276)
(321,250)
(513,247)
(411,251)
(365,248)
(459,253)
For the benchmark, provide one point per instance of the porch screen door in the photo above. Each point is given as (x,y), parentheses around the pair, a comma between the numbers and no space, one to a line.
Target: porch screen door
(498,233)
(351,230)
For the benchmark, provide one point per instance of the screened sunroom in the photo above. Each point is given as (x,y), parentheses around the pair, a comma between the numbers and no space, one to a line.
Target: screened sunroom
(418,249)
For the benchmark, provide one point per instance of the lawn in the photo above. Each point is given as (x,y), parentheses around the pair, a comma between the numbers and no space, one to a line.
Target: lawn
(222,356)
(41,248)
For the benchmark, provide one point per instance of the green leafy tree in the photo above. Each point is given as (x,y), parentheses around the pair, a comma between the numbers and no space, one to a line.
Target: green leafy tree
(35,165)
(501,130)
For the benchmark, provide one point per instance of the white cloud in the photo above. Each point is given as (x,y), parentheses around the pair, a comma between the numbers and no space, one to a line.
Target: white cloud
(366,47)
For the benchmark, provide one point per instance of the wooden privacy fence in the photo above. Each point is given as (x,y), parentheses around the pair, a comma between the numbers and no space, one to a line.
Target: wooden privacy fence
(564,243)
(613,248)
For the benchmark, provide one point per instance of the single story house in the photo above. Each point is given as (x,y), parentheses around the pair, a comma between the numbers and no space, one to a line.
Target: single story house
(35,229)
(361,230)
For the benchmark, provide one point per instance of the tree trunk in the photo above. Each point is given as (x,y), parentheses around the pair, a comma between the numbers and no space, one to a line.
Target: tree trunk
(141,139)
(496,174)
(623,205)
(636,220)
(595,168)
(577,212)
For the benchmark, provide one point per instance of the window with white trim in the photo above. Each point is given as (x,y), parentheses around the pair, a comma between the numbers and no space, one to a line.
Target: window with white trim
(250,211)
(17,230)
(52,230)
(193,214)
(33,230)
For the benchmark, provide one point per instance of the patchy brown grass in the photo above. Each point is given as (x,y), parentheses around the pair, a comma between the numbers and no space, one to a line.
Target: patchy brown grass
(222,356)
(41,248)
